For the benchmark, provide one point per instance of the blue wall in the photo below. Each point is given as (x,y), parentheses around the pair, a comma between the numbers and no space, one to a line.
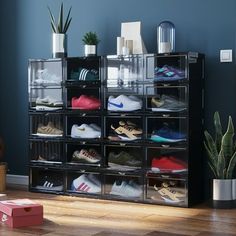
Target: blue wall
(205,26)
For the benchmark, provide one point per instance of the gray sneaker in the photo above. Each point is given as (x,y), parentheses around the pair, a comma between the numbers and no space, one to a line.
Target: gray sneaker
(167,103)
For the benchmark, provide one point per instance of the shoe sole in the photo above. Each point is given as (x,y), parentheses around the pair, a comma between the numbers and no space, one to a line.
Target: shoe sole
(84,160)
(48,135)
(168,110)
(88,137)
(157,138)
(121,167)
(124,195)
(127,138)
(46,108)
(166,170)
(58,188)
(122,109)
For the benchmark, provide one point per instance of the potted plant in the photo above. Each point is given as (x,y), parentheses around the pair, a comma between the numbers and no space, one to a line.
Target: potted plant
(91,41)
(3,169)
(221,152)
(59,36)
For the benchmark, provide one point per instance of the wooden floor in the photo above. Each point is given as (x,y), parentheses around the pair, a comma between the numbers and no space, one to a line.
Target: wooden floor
(80,216)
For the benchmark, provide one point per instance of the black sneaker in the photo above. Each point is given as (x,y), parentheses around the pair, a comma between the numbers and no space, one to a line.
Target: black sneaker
(50,183)
(54,157)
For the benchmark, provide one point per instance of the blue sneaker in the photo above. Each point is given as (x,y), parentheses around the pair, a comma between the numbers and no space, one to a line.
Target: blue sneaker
(166,134)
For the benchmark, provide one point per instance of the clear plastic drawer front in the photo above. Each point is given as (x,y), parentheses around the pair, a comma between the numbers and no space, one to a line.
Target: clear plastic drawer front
(45,73)
(167,190)
(46,152)
(46,180)
(44,99)
(124,157)
(83,182)
(83,154)
(46,125)
(124,186)
(166,98)
(123,71)
(169,68)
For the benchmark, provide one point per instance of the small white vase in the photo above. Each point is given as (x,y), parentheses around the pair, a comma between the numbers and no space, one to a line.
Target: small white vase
(90,50)
(59,45)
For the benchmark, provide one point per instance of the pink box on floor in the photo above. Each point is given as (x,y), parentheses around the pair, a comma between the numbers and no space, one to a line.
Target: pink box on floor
(20,212)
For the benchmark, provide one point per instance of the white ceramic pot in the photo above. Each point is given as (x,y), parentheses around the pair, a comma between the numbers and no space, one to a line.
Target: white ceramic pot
(222,193)
(222,189)
(234,189)
(59,45)
(90,50)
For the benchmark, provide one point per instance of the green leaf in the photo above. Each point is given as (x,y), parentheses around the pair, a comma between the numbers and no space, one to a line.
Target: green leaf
(213,170)
(60,19)
(90,38)
(218,130)
(227,144)
(221,165)
(67,26)
(59,27)
(210,144)
(53,24)
(231,166)
(67,23)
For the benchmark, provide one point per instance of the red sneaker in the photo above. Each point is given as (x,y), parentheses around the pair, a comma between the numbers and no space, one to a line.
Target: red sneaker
(85,103)
(168,164)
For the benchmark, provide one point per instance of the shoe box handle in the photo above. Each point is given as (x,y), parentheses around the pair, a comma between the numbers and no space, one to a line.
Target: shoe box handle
(165,145)
(121,173)
(166,85)
(165,115)
(122,144)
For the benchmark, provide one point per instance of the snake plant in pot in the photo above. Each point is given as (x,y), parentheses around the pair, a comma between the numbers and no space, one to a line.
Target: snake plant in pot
(221,152)
(59,36)
(90,41)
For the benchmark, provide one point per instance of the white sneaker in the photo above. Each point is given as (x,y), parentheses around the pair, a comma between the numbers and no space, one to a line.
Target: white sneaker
(84,131)
(95,126)
(124,103)
(45,78)
(94,179)
(132,97)
(84,184)
(48,104)
(126,190)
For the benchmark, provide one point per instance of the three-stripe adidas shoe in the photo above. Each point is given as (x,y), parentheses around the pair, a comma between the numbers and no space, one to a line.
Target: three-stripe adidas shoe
(86,183)
(84,74)
(50,185)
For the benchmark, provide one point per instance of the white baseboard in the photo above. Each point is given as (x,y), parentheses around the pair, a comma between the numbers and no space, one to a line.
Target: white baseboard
(17,180)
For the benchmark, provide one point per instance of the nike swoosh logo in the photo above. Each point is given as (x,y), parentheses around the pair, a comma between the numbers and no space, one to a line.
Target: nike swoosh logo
(116,105)
(81,129)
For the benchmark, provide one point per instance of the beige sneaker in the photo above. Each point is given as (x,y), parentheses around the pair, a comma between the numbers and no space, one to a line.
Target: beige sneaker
(49,130)
(129,129)
(170,195)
